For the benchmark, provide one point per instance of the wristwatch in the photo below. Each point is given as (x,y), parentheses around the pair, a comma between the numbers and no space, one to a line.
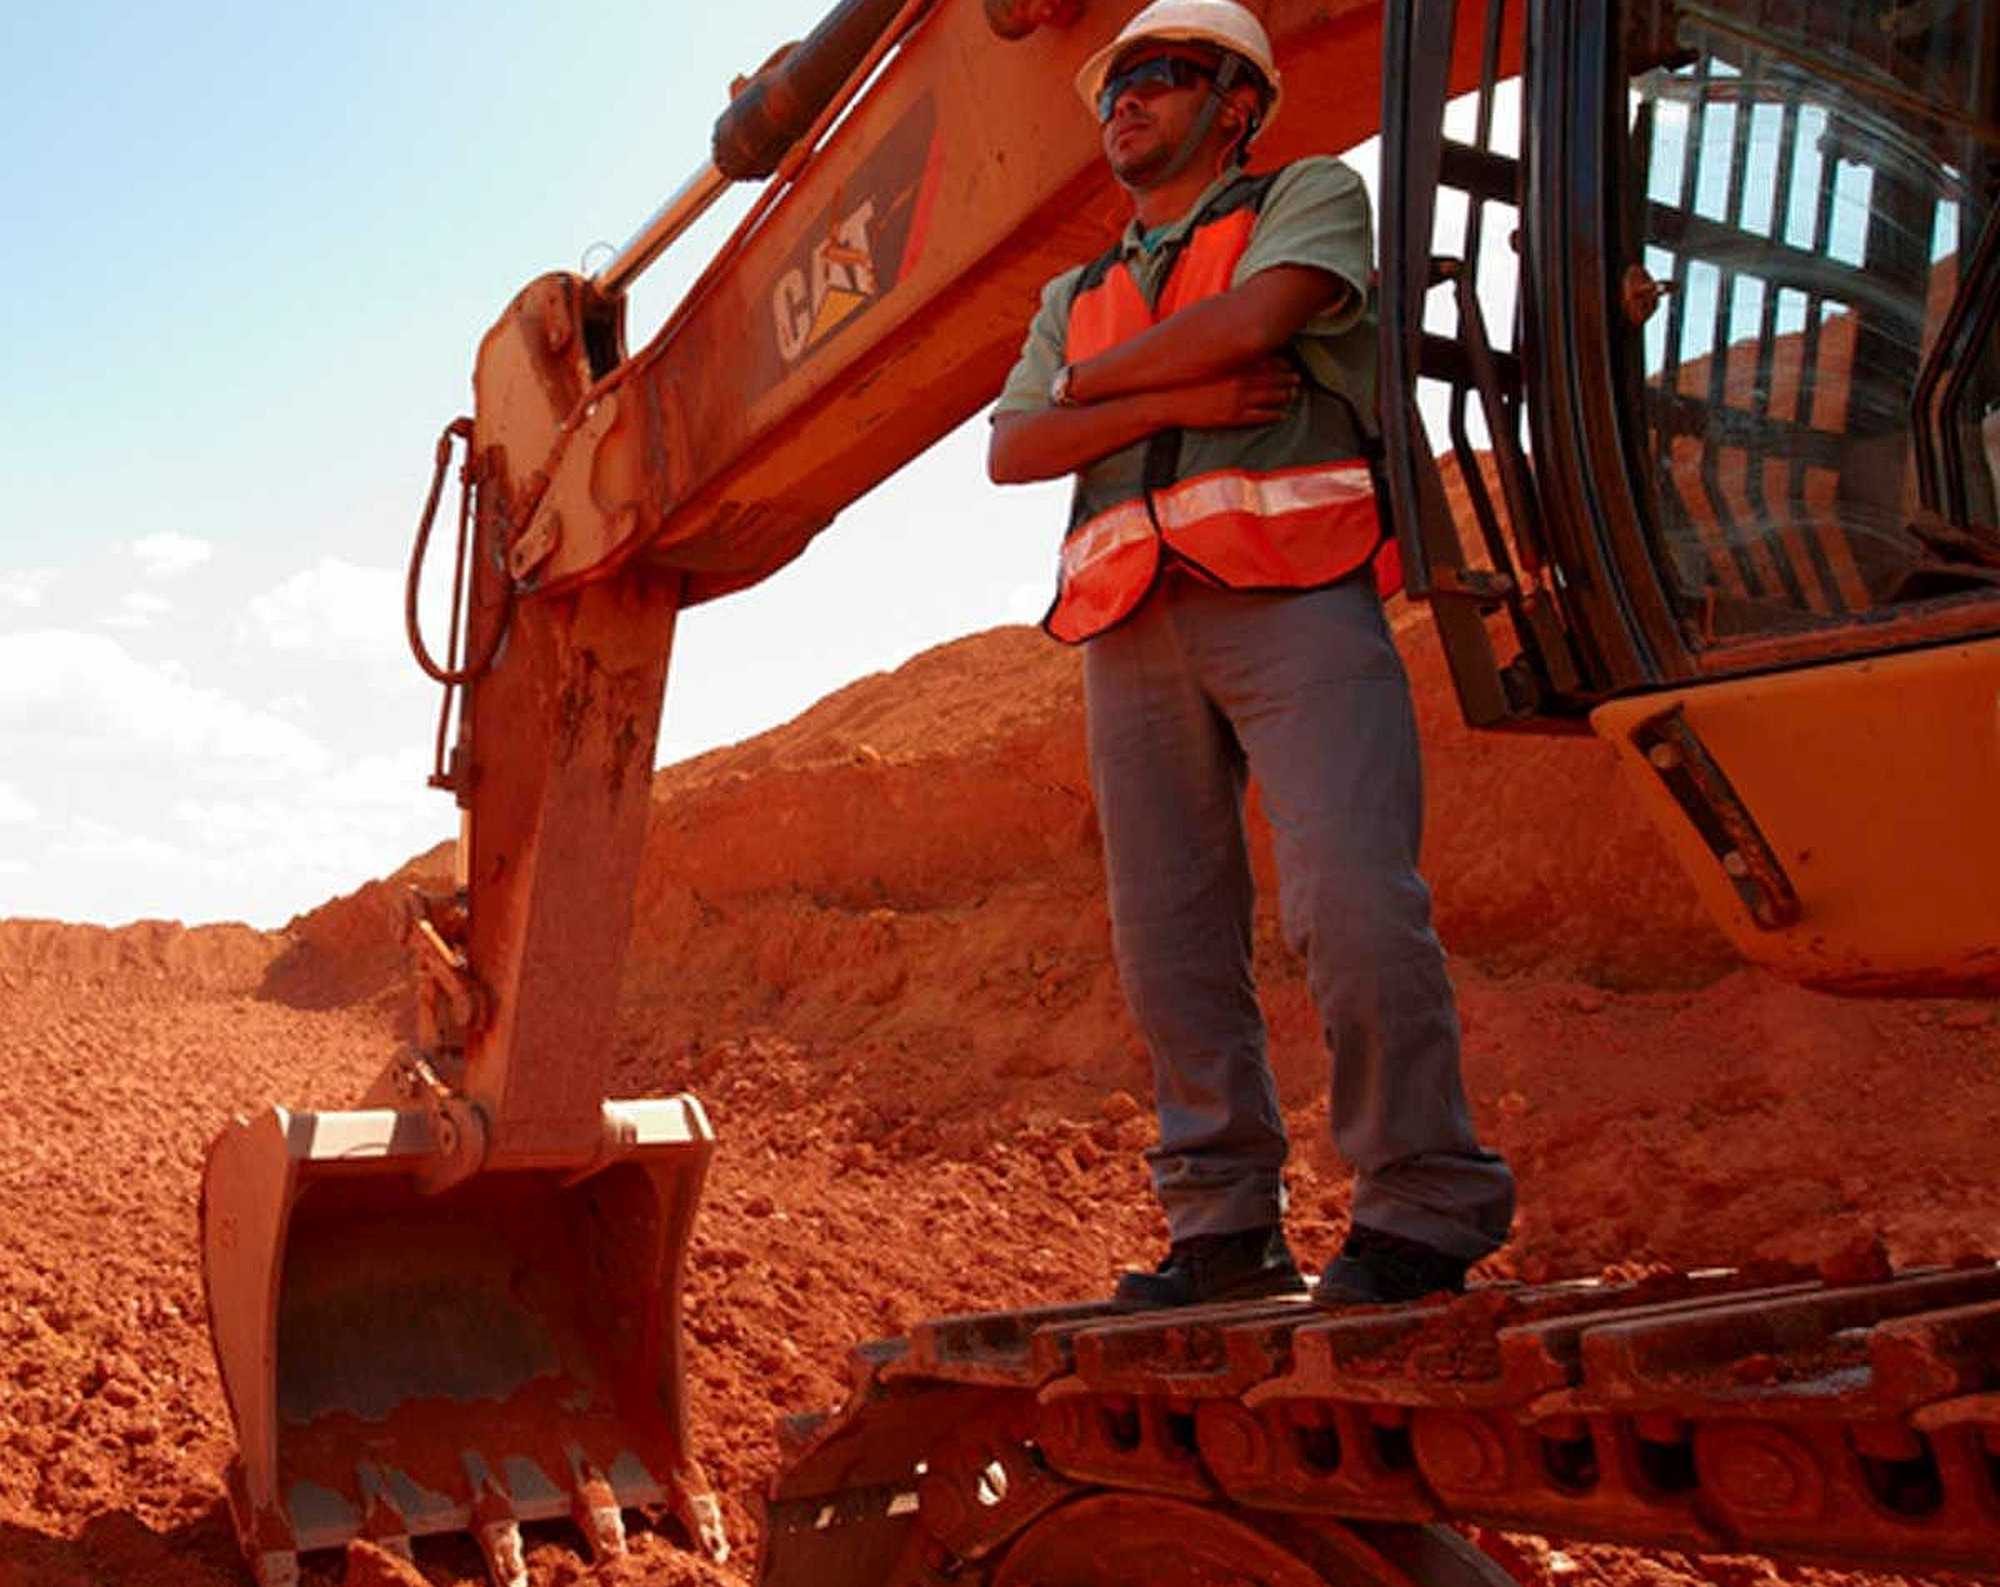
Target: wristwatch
(1059,386)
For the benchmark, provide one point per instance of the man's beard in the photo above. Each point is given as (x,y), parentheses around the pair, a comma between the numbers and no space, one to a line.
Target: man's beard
(1138,169)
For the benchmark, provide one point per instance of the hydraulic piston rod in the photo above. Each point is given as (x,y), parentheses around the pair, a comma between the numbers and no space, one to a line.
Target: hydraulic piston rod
(692,201)
(766,116)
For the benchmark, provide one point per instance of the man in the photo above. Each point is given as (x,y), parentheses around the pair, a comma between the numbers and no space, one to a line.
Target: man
(1205,382)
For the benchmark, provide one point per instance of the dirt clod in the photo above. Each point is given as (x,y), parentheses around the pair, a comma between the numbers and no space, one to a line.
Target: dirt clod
(1863,1260)
(1120,1106)
(371,1566)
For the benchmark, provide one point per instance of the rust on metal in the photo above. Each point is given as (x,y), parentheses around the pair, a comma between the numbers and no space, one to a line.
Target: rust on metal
(1494,1346)
(1711,803)
(1807,1356)
(1545,1357)
(1013,1349)
(537,544)
(401,1362)
(985,1482)
(1113,1540)
(1202,1352)
(1312,1456)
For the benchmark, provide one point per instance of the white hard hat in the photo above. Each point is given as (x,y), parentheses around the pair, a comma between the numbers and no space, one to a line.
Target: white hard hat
(1222,23)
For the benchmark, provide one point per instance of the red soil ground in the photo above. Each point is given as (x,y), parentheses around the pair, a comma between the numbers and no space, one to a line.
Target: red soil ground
(874,943)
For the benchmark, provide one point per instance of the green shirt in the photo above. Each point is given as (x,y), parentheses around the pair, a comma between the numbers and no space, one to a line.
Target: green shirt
(1316,214)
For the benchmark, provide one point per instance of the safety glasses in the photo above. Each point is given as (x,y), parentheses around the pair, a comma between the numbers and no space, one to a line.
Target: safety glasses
(1146,78)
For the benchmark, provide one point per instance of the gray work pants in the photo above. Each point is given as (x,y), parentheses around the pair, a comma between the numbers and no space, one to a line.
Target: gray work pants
(1306,693)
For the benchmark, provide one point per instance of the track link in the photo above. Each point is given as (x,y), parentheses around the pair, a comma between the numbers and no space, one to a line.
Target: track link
(1731,1412)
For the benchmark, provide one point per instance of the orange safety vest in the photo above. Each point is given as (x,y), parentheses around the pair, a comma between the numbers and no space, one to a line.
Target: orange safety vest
(1301,522)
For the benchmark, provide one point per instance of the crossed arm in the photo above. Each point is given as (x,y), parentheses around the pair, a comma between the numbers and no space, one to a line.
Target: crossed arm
(1211,366)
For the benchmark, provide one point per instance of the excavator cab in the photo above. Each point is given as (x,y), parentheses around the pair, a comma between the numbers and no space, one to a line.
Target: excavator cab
(1693,305)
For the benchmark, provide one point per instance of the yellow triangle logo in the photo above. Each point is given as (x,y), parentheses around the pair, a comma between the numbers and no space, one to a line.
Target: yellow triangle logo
(834,308)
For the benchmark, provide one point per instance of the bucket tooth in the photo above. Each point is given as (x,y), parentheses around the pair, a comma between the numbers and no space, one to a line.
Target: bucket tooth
(506,1562)
(269,1544)
(595,1507)
(700,1512)
(496,1527)
(276,1567)
(382,1520)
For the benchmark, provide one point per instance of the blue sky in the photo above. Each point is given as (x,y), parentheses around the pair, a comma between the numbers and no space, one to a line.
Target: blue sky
(249,251)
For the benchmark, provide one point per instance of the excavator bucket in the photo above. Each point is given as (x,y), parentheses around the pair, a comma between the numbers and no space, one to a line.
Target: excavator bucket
(402,1362)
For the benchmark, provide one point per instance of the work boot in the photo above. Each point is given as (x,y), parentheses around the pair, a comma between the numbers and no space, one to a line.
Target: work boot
(1377,1268)
(1246,1264)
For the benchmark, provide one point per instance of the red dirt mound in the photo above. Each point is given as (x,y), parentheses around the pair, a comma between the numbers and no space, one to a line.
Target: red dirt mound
(218,958)
(351,949)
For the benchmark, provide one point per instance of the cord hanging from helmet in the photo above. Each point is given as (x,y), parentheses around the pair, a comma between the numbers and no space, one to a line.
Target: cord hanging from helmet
(1230,74)
(1234,70)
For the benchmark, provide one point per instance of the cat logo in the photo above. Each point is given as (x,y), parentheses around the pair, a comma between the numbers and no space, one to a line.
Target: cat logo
(854,252)
(809,302)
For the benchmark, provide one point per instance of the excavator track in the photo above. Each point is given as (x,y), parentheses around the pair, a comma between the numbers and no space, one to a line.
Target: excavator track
(1272,1443)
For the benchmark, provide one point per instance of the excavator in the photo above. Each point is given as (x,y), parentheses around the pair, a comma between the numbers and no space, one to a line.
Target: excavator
(1690,306)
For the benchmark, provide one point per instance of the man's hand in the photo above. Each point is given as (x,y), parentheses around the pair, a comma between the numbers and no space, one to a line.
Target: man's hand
(1214,338)
(1257,394)
(1058,441)
(1212,366)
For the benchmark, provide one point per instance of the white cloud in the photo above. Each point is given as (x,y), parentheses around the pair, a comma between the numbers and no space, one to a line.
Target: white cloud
(317,847)
(134,791)
(362,789)
(334,610)
(82,697)
(87,841)
(26,588)
(137,609)
(168,554)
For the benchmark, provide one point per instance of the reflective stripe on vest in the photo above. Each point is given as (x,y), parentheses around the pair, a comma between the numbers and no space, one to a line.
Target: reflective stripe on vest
(1285,529)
